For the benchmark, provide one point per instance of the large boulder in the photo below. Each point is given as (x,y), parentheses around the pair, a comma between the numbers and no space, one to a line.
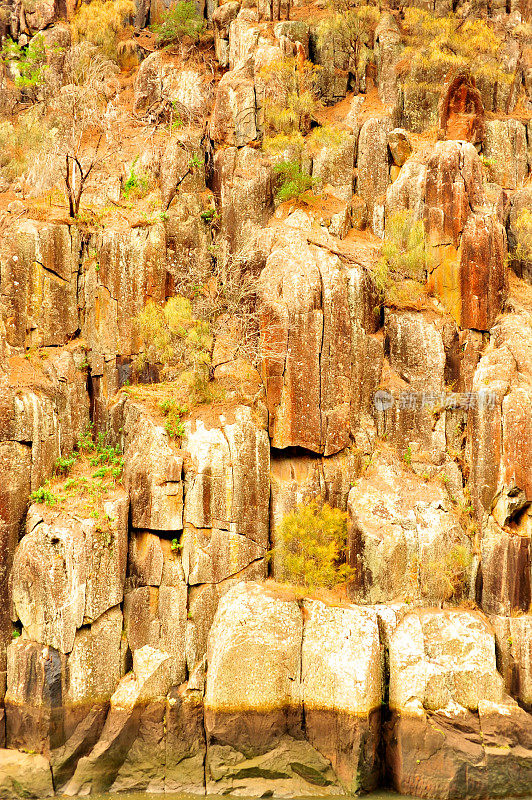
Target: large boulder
(233,120)
(68,571)
(243,184)
(24,775)
(341,686)
(255,701)
(131,742)
(373,162)
(121,270)
(405,539)
(499,434)
(153,471)
(453,731)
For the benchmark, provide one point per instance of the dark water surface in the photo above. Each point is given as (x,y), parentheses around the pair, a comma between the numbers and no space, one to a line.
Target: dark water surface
(381,794)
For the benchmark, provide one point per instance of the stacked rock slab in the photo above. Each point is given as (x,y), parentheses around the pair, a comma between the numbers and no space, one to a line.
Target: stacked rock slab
(467,244)
(446,692)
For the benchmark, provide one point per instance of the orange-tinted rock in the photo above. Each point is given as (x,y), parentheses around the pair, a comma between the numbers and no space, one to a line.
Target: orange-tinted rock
(39,272)
(467,244)
(461,110)
(315,356)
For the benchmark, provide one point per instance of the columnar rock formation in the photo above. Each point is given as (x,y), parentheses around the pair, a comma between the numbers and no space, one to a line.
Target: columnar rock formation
(143,643)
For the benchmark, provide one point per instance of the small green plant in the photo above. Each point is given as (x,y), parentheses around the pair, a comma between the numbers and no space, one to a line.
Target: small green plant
(312,543)
(173,412)
(210,215)
(44,495)
(407,456)
(292,181)
(176,545)
(180,20)
(136,185)
(64,464)
(195,161)
(29,62)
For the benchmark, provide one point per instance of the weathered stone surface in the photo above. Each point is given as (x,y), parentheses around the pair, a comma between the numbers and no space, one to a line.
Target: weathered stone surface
(252,699)
(39,267)
(34,697)
(402,533)
(136,711)
(243,184)
(66,572)
(24,775)
(506,147)
(372,161)
(506,570)
(221,20)
(254,702)
(407,192)
(233,120)
(341,689)
(519,233)
(129,269)
(400,146)
(461,110)
(333,165)
(443,679)
(157,617)
(185,741)
(152,471)
(467,243)
(388,48)
(513,636)
(202,604)
(499,438)
(313,346)
(226,476)
(416,350)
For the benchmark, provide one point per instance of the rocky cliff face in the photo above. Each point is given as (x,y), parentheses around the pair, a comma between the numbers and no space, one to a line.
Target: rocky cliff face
(143,644)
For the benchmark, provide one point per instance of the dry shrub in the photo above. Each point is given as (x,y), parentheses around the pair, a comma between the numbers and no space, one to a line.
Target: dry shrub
(312,546)
(102,22)
(290,96)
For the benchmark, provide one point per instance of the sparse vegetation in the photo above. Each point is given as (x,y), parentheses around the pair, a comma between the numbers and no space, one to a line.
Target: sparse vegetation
(22,144)
(403,254)
(523,229)
(27,63)
(292,180)
(84,480)
(440,46)
(175,339)
(173,411)
(311,550)
(447,578)
(44,495)
(137,183)
(100,22)
(351,26)
(290,96)
(180,20)
(84,120)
